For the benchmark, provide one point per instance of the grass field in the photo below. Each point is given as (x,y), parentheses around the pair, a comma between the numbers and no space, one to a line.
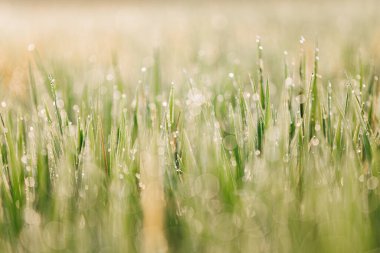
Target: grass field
(197,127)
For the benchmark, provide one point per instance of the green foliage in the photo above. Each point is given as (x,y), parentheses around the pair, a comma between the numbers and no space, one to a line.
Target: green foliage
(245,166)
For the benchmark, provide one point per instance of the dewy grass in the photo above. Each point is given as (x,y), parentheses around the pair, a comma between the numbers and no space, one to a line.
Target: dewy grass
(82,180)
(230,157)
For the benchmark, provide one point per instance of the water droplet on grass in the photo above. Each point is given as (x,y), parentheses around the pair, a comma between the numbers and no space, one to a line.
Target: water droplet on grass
(31,47)
(60,103)
(30,182)
(255,97)
(302,40)
(233,162)
(289,82)
(299,122)
(142,186)
(109,77)
(314,141)
(24,159)
(76,108)
(258,38)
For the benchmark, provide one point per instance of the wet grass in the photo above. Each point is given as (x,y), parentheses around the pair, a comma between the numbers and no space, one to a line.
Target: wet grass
(274,159)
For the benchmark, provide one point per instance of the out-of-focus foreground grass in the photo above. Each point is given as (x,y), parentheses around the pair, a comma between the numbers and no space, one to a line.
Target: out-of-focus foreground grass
(232,127)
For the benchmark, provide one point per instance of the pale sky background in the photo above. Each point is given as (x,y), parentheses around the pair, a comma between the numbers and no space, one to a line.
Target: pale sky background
(84,32)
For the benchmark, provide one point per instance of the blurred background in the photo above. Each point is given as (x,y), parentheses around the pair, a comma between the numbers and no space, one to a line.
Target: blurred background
(217,35)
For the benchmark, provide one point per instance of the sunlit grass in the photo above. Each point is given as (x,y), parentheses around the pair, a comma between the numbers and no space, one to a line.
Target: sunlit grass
(227,146)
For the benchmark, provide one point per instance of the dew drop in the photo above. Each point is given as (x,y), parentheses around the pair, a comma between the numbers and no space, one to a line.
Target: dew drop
(255,97)
(31,47)
(258,38)
(302,40)
(314,141)
(24,159)
(299,122)
(76,108)
(109,77)
(60,103)
(289,82)
(30,182)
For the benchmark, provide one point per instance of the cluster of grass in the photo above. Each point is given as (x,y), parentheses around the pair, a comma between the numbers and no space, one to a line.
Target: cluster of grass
(240,165)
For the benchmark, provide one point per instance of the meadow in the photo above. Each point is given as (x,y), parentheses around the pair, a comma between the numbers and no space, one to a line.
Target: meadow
(190,127)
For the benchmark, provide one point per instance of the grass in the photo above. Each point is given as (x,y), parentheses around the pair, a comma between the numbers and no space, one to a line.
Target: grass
(277,153)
